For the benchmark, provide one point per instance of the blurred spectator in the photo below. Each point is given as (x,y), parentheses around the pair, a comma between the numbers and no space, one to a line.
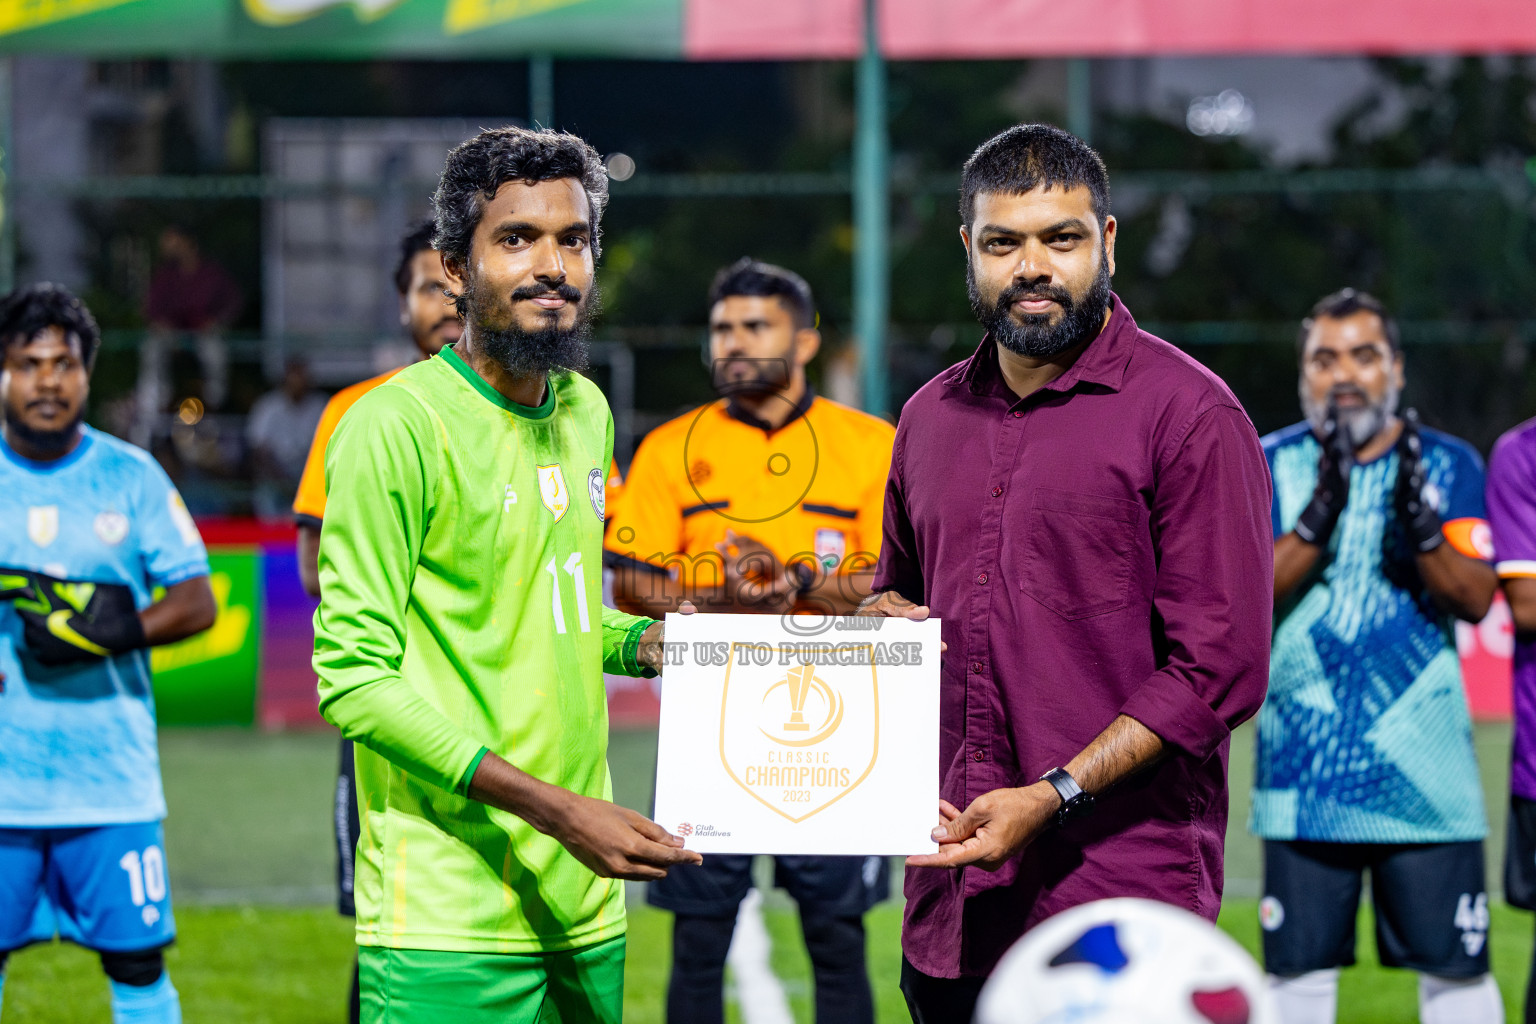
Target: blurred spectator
(278,432)
(189,295)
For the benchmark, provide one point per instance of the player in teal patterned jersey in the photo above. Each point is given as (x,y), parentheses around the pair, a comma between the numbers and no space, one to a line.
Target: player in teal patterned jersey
(1364,757)
(92,530)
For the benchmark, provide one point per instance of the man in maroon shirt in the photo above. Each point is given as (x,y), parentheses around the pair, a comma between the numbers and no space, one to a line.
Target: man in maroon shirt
(1087,509)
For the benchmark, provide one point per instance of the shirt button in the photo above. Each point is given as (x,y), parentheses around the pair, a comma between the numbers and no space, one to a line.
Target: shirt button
(1017,413)
(976,667)
(982,579)
(997,492)
(979,756)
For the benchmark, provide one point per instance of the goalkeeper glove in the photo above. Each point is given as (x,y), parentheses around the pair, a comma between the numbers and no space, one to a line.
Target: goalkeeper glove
(1316,522)
(65,621)
(1421,520)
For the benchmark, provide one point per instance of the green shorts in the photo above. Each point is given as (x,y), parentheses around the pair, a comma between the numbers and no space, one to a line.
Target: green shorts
(428,986)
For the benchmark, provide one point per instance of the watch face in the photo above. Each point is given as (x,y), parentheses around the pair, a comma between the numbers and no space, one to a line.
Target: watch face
(1078,807)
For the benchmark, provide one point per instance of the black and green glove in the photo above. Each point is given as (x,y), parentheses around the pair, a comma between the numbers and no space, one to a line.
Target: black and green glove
(1316,522)
(1420,518)
(66,621)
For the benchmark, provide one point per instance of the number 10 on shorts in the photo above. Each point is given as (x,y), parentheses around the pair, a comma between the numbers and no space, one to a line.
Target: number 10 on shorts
(146,879)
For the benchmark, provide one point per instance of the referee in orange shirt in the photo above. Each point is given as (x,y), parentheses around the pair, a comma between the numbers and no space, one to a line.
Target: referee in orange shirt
(429,315)
(769,500)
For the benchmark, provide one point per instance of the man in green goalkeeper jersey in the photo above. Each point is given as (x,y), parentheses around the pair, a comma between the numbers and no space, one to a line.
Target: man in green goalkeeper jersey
(460,639)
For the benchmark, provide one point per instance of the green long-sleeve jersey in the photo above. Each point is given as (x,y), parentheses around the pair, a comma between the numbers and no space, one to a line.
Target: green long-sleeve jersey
(460,612)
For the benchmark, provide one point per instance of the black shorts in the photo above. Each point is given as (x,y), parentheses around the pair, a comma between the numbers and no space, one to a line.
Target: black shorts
(834,886)
(1520,854)
(344,822)
(1430,900)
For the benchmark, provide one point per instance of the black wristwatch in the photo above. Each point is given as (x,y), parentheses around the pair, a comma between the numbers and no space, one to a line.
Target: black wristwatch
(1074,802)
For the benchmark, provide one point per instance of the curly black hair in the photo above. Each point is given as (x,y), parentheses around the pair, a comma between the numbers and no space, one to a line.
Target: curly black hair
(28,311)
(418,239)
(749,277)
(1028,156)
(477,167)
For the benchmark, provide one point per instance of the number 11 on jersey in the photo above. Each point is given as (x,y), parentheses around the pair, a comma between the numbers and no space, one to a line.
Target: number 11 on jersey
(578,576)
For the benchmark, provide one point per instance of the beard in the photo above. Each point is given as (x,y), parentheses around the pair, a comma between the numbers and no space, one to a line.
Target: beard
(524,353)
(768,376)
(51,444)
(1082,317)
(1361,424)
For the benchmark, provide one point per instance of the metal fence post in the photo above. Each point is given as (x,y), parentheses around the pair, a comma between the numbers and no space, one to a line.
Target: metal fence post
(1080,98)
(541,91)
(7,188)
(871,219)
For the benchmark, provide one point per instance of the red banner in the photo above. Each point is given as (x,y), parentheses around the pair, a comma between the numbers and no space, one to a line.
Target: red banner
(957,29)
(927,29)
(1485,651)
(782,30)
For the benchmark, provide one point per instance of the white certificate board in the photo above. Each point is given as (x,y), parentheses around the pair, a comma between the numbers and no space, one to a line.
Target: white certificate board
(800,735)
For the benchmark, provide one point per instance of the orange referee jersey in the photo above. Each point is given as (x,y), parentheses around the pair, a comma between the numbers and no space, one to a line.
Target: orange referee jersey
(309,502)
(814,488)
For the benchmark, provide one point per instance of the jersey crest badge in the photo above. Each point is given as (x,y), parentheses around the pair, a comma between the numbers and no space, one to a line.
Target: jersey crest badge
(43,524)
(831,546)
(596,492)
(111,527)
(552,491)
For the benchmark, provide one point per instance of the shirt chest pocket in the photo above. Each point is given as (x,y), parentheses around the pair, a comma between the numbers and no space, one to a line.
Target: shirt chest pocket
(1078,551)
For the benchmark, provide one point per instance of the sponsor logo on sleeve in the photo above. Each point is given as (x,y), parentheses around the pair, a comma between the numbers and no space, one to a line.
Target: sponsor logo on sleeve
(183,519)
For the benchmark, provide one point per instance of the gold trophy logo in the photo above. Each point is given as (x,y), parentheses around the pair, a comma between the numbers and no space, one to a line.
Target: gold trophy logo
(795,733)
(801,683)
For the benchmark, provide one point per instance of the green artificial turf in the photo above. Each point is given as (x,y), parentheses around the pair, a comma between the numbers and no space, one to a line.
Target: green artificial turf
(248,843)
(289,965)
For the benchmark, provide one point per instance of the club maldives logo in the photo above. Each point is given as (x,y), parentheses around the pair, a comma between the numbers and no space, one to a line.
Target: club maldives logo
(798,736)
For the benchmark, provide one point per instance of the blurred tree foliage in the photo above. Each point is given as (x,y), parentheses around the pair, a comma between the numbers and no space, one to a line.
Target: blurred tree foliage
(1458,266)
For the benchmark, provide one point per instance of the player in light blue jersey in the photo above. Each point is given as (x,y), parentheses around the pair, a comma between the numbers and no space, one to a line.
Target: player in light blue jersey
(92,532)
(1364,759)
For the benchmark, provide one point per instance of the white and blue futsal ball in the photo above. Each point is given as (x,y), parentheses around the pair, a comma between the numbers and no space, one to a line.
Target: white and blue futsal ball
(1126,961)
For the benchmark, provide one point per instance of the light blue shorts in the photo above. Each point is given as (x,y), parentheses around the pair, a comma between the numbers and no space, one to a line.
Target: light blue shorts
(104,888)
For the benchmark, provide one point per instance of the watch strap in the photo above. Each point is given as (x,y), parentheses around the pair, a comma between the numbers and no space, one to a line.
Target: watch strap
(1075,801)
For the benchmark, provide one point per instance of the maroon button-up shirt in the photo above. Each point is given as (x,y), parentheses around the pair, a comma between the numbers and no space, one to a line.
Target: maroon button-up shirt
(1101,547)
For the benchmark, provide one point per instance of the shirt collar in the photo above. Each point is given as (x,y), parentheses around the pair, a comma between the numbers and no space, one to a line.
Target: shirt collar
(51,465)
(1103,362)
(481,385)
(734,410)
